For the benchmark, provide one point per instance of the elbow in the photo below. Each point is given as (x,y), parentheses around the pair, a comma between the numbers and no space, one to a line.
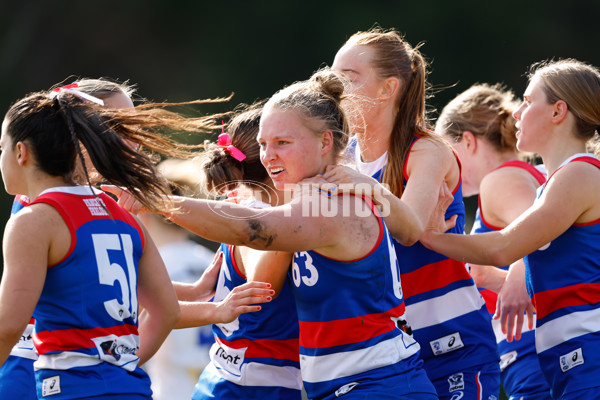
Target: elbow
(414,236)
(10,333)
(499,258)
(478,275)
(410,236)
(172,317)
(175,316)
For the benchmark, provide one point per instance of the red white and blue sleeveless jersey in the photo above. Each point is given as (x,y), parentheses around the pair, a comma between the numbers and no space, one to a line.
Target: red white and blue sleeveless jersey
(86,320)
(521,374)
(565,280)
(350,313)
(17,380)
(256,356)
(443,306)
(19,202)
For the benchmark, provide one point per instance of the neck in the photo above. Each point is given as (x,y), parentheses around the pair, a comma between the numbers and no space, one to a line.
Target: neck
(555,157)
(375,140)
(267,193)
(37,186)
(500,158)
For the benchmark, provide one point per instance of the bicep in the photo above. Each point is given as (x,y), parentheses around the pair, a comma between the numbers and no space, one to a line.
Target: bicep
(427,170)
(543,222)
(307,223)
(26,246)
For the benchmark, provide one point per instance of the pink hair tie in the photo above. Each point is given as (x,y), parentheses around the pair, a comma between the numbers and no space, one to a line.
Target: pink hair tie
(224,142)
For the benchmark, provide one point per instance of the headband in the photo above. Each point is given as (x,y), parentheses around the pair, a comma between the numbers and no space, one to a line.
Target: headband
(71,89)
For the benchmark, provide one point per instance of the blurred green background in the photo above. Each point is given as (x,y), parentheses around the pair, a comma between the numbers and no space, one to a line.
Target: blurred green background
(179,50)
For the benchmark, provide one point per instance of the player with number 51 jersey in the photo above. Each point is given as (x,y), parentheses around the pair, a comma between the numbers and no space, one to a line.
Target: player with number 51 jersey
(88,317)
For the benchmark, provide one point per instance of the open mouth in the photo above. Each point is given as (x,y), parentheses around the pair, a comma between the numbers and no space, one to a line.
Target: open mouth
(276,171)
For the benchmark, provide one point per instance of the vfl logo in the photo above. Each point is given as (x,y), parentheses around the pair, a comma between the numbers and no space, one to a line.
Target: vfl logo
(456,382)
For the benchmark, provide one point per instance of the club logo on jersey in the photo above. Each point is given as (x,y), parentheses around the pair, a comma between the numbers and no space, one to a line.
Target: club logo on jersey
(228,360)
(446,344)
(96,206)
(507,358)
(118,350)
(110,348)
(51,386)
(345,389)
(456,382)
(571,360)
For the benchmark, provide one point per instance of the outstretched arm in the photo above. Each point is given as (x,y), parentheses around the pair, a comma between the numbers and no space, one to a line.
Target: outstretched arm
(401,221)
(291,227)
(241,299)
(549,217)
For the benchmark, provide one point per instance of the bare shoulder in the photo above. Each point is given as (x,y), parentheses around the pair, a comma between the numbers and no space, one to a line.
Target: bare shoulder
(505,193)
(355,226)
(577,174)
(35,218)
(508,180)
(38,228)
(433,145)
(575,188)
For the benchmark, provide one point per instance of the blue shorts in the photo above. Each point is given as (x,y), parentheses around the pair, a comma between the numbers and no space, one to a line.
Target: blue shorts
(587,394)
(414,384)
(476,383)
(17,380)
(522,377)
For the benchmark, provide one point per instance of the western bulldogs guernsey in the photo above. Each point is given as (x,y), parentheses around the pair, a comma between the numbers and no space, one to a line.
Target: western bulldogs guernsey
(564,278)
(521,374)
(446,312)
(350,313)
(87,316)
(255,356)
(17,380)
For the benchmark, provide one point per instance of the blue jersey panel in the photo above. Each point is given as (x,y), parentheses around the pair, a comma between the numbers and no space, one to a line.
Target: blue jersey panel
(255,356)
